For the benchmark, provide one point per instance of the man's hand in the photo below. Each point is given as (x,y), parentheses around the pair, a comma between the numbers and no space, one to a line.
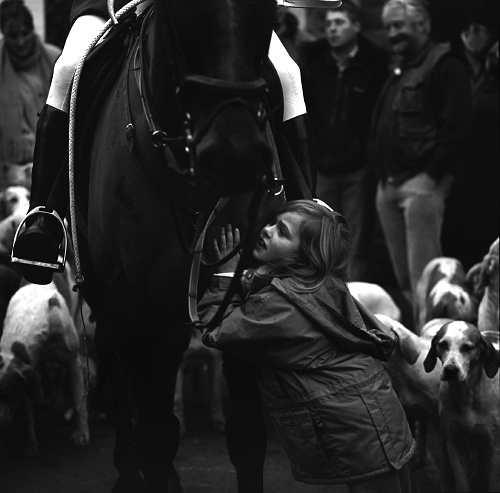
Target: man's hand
(421,183)
(228,239)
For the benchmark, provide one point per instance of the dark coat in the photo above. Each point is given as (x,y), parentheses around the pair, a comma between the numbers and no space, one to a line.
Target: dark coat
(422,118)
(331,403)
(340,103)
(93,7)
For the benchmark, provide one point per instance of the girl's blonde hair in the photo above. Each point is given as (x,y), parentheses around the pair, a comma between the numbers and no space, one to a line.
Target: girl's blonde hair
(324,246)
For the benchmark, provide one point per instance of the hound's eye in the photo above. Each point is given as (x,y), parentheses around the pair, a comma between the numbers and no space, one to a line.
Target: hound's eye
(443,345)
(467,348)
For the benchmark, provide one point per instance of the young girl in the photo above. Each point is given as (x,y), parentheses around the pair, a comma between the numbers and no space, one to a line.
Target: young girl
(316,351)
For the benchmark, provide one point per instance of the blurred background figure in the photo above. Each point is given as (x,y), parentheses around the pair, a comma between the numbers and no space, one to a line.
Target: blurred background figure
(287,27)
(26,65)
(418,139)
(342,76)
(473,212)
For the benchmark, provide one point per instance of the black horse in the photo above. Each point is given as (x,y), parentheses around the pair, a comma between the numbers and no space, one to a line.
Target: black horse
(192,80)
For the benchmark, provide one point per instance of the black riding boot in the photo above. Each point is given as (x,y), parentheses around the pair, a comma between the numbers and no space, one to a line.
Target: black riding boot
(42,238)
(298,135)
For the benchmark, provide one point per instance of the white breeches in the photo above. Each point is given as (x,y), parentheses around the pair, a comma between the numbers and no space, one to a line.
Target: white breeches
(86,28)
(82,33)
(289,74)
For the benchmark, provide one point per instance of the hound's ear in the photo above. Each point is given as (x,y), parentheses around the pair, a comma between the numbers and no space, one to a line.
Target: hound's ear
(431,358)
(491,360)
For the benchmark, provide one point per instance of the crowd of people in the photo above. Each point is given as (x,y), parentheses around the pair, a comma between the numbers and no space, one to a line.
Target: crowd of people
(410,132)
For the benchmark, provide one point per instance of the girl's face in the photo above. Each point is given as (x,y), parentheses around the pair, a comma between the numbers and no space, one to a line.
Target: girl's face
(279,239)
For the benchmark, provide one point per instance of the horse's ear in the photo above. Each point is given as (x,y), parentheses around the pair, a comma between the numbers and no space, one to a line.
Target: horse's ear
(431,358)
(491,358)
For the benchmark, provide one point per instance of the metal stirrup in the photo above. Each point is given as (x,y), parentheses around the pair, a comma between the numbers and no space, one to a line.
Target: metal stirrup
(61,258)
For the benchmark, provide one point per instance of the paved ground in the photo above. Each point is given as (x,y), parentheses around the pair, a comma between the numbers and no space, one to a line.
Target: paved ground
(202,463)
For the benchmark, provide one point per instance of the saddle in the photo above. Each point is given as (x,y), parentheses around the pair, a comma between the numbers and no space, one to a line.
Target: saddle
(100,72)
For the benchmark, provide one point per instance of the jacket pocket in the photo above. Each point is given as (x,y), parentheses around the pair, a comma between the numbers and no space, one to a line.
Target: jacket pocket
(417,140)
(303,438)
(390,422)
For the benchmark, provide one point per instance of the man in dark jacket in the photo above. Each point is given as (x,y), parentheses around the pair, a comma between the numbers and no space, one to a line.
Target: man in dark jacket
(342,76)
(417,139)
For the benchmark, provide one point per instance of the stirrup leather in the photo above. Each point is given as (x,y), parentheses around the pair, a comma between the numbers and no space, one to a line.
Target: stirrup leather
(61,259)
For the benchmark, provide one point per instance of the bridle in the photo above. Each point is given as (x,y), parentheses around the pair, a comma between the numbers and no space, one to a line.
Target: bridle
(180,80)
(239,93)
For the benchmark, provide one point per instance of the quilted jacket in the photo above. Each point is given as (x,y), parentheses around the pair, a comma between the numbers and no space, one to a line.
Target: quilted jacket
(317,356)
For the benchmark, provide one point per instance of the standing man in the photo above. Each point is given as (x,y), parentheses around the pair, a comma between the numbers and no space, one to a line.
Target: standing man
(342,76)
(418,139)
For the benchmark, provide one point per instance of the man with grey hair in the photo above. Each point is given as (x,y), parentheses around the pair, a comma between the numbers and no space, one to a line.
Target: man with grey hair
(417,139)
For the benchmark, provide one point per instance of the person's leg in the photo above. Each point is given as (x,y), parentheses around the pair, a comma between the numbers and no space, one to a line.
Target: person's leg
(424,218)
(82,33)
(353,208)
(289,74)
(393,225)
(41,240)
(296,126)
(401,481)
(329,189)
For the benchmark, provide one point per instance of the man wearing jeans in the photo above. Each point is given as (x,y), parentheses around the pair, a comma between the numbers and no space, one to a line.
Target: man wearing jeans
(417,139)
(342,75)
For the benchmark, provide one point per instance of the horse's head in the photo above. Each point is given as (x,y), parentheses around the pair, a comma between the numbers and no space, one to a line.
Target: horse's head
(216,51)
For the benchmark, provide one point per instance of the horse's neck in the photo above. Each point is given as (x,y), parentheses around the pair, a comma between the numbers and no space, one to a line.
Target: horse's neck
(158,79)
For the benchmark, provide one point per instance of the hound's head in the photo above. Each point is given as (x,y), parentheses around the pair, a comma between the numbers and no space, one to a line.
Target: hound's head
(17,380)
(462,349)
(14,199)
(452,301)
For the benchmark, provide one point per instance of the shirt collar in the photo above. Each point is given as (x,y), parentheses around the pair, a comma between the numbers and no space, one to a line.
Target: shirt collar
(350,56)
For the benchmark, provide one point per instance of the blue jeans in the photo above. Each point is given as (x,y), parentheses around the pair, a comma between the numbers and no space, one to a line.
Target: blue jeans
(347,194)
(412,220)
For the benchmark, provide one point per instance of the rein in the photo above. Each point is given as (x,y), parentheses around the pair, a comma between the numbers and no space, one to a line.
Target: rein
(261,200)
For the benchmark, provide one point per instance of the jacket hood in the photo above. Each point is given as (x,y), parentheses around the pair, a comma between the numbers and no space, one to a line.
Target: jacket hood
(341,317)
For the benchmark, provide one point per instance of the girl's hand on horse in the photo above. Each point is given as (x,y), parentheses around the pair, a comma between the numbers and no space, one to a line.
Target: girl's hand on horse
(228,239)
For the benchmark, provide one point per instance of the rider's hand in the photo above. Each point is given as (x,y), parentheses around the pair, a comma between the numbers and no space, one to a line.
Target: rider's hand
(228,239)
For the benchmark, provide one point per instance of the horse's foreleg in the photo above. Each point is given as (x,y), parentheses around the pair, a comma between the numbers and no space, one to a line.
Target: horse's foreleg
(157,429)
(246,435)
(124,454)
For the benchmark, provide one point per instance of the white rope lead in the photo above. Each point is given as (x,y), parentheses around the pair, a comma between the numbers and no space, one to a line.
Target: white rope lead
(111,11)
(72,112)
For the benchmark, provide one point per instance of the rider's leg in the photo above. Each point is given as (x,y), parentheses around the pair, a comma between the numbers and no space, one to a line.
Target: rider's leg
(43,235)
(296,126)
